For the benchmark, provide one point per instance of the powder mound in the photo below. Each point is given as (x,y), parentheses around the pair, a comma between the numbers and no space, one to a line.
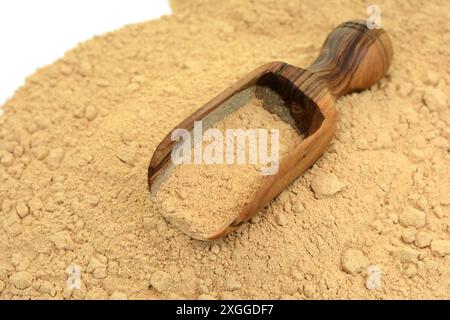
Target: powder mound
(84,171)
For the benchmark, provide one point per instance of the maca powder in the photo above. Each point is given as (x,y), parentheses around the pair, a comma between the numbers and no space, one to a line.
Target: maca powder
(369,220)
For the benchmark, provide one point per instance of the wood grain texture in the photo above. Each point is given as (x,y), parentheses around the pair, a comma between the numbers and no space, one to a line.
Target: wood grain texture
(352,58)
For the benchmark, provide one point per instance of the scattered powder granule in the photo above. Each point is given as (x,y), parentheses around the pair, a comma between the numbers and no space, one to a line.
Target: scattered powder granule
(370,219)
(21,280)
(200,199)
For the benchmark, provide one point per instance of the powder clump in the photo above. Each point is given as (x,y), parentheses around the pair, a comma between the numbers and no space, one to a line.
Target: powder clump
(326,185)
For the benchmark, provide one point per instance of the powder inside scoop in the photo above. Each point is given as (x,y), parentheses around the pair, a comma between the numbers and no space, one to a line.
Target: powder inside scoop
(76,140)
(200,199)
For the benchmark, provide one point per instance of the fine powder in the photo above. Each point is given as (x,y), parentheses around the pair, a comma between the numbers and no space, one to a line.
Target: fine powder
(369,220)
(200,199)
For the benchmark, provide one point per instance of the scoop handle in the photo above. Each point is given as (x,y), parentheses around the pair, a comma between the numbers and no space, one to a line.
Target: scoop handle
(353,57)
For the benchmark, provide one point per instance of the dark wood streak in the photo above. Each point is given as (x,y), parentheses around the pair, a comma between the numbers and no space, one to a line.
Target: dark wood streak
(352,58)
(341,56)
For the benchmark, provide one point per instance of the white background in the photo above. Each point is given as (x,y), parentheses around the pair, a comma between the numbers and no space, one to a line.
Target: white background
(36,33)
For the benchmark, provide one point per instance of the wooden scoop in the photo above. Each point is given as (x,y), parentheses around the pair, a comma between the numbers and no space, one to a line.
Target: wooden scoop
(352,58)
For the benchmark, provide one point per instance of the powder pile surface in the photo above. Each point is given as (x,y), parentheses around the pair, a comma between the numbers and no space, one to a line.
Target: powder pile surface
(200,199)
(76,139)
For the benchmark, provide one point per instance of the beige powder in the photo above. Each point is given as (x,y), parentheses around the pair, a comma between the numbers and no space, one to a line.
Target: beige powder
(76,139)
(200,199)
